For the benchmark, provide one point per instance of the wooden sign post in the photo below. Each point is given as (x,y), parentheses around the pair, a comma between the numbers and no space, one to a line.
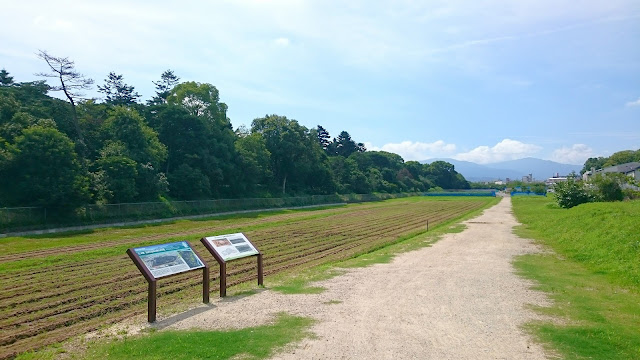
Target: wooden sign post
(164,260)
(225,248)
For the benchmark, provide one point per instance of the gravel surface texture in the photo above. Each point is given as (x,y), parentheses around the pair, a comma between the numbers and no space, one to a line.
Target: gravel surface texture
(458,299)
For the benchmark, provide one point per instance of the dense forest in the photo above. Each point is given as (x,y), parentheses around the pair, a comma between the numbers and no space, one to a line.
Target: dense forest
(178,145)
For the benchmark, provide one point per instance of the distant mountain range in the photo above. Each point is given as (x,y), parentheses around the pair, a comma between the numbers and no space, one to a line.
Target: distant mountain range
(514,169)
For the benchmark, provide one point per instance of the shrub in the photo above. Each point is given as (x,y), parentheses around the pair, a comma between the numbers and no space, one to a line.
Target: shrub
(608,187)
(571,193)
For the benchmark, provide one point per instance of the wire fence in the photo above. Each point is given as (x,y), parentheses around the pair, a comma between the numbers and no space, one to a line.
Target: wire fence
(528,193)
(465,192)
(36,218)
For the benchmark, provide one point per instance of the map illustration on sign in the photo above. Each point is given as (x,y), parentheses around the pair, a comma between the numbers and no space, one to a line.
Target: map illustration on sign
(232,246)
(168,259)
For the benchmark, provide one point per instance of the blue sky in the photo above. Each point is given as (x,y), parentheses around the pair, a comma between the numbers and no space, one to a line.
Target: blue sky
(481,81)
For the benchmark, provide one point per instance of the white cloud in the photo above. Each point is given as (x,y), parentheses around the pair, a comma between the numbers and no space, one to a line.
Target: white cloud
(577,154)
(284,42)
(634,103)
(416,151)
(52,24)
(506,149)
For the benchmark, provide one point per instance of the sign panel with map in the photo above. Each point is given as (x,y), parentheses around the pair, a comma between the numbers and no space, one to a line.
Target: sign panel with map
(231,246)
(168,259)
(162,260)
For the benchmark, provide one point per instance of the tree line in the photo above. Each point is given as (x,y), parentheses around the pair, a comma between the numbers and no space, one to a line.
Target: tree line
(178,145)
(617,158)
(600,186)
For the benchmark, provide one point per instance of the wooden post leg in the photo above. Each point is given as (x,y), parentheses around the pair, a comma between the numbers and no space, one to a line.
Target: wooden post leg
(205,285)
(223,279)
(152,302)
(260,271)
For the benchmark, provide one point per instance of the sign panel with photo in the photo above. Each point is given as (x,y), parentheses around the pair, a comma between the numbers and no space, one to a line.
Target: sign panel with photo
(232,246)
(168,259)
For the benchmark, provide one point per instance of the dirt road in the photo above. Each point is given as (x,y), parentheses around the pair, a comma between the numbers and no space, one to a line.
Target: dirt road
(458,299)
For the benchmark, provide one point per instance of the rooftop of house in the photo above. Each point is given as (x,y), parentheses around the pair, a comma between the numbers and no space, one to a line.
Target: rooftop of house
(622,168)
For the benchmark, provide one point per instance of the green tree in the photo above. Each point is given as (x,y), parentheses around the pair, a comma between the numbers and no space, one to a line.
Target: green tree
(443,174)
(11,129)
(296,156)
(187,183)
(323,137)
(5,78)
(118,178)
(116,92)
(415,168)
(378,160)
(220,162)
(254,161)
(538,188)
(375,179)
(72,83)
(200,100)
(150,182)
(622,157)
(571,193)
(31,98)
(141,142)
(608,186)
(185,136)
(595,163)
(167,81)
(91,117)
(381,168)
(343,145)
(8,105)
(41,169)
(202,143)
(347,176)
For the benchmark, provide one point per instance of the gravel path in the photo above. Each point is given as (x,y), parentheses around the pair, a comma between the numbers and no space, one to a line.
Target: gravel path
(458,299)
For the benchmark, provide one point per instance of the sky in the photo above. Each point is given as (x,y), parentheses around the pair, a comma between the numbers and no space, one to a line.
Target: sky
(481,81)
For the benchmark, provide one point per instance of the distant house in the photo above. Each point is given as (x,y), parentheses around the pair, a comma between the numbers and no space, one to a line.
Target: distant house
(554,180)
(631,169)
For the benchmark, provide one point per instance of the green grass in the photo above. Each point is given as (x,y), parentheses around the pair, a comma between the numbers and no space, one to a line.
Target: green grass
(591,276)
(251,343)
(332,302)
(300,284)
(605,237)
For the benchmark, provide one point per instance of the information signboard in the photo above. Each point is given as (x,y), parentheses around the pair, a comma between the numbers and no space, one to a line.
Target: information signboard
(157,261)
(169,259)
(232,246)
(225,248)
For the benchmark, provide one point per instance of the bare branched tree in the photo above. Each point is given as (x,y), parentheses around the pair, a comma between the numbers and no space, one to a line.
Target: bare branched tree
(72,83)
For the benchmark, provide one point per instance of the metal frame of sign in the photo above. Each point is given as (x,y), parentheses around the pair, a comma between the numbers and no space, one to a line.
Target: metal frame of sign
(151,303)
(223,263)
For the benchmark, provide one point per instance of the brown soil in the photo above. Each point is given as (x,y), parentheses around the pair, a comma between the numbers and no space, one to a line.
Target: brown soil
(459,299)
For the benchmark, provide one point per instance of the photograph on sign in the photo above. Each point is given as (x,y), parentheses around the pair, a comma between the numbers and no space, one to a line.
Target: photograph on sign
(168,259)
(232,246)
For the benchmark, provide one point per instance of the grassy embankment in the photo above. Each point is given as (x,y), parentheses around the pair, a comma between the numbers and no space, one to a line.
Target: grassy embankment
(101,244)
(593,276)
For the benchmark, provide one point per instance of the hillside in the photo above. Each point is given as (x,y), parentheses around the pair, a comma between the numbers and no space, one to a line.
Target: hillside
(514,169)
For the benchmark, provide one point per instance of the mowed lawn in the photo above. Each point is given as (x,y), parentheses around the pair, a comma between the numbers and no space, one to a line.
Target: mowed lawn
(592,276)
(58,286)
